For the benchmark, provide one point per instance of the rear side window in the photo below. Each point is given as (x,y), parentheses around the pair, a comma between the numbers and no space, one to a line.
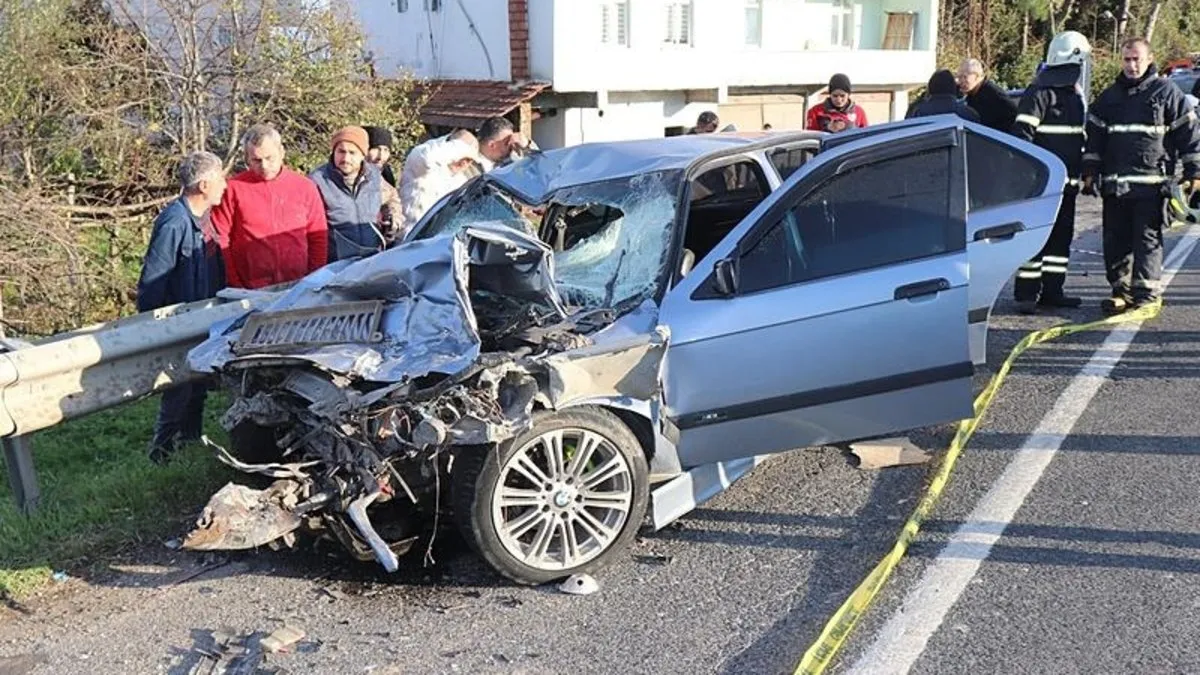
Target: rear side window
(786,161)
(879,214)
(999,174)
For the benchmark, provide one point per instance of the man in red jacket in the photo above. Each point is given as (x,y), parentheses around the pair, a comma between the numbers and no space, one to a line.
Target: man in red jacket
(272,220)
(837,112)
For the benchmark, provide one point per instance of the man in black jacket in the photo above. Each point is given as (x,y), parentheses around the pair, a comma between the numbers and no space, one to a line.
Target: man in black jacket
(994,106)
(1052,114)
(941,98)
(1132,128)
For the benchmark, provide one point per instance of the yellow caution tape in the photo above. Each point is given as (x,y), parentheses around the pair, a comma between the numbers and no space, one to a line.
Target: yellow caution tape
(821,653)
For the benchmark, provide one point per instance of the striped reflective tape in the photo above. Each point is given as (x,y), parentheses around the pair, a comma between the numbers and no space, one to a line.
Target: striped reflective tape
(1139,180)
(1091,157)
(1056,259)
(1060,129)
(1054,269)
(1152,129)
(1031,120)
(1024,274)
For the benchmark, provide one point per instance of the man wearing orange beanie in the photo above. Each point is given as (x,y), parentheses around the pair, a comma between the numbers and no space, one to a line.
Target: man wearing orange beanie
(360,207)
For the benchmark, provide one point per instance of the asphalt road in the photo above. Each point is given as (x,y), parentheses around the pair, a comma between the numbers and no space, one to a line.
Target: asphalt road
(1093,575)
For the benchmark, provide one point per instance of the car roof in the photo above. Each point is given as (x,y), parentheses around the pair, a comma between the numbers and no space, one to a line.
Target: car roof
(539,175)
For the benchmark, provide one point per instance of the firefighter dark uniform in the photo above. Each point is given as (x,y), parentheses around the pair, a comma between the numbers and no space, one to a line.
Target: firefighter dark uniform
(1132,128)
(1052,115)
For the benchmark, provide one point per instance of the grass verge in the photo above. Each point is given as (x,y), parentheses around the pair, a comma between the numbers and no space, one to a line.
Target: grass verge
(100,492)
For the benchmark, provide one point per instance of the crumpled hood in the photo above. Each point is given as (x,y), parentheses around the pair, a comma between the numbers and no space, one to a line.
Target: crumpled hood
(426,320)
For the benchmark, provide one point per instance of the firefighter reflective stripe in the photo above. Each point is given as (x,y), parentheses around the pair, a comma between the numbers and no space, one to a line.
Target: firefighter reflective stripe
(1139,180)
(1091,157)
(1031,120)
(1183,121)
(1059,129)
(1054,264)
(1097,121)
(1030,270)
(1148,284)
(1152,129)
(1074,182)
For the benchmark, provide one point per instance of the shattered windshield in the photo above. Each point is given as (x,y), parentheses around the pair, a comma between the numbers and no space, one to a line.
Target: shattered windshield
(610,239)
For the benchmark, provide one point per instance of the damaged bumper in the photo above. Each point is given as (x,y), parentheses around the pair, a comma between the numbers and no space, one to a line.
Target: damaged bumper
(351,391)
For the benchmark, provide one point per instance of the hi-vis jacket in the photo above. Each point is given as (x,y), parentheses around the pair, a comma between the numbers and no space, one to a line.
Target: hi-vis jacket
(1052,115)
(1130,129)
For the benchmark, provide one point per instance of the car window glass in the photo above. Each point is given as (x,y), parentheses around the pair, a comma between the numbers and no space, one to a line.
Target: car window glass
(720,198)
(1001,174)
(736,181)
(786,161)
(873,215)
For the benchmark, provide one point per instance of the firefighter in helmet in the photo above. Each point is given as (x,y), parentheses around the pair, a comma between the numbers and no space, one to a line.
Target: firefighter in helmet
(1052,113)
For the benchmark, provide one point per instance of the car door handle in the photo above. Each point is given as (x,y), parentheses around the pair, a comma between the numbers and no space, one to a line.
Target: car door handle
(1005,231)
(927,287)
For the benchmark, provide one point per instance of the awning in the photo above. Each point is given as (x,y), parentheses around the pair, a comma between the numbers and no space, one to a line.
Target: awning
(467,103)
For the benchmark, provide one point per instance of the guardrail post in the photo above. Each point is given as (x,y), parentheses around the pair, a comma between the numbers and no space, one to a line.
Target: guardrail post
(22,475)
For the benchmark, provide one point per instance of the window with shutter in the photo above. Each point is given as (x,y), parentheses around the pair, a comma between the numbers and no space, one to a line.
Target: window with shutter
(679,23)
(614,23)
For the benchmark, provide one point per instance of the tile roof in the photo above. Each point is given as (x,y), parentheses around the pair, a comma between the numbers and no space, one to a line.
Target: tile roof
(467,103)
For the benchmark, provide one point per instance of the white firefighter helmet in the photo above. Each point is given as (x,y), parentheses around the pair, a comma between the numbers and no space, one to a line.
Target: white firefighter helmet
(1068,47)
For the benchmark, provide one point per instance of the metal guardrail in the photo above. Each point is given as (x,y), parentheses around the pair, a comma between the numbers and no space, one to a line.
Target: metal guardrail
(82,371)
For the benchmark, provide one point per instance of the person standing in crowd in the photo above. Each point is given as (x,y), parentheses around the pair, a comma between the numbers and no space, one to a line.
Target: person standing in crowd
(359,205)
(272,220)
(995,108)
(1052,114)
(706,123)
(380,152)
(433,170)
(837,112)
(941,98)
(183,264)
(1133,126)
(500,143)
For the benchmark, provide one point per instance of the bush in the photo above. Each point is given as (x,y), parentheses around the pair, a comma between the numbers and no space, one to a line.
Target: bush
(99,99)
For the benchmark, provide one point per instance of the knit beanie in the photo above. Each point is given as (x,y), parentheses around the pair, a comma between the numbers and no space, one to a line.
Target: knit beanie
(839,82)
(379,136)
(942,82)
(355,135)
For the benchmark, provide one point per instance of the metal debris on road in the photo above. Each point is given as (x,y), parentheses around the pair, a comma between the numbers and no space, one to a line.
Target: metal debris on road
(579,584)
(282,639)
(334,593)
(886,452)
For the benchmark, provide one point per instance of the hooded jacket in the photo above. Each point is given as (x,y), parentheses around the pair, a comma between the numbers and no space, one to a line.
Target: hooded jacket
(1132,128)
(427,177)
(356,219)
(1052,115)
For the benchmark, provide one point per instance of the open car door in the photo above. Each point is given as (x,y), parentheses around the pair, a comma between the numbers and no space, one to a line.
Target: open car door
(836,310)
(1014,189)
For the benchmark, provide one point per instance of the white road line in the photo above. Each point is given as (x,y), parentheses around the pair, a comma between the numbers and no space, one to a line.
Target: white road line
(901,641)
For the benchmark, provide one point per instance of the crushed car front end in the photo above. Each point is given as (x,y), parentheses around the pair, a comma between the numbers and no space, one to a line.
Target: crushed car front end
(363,391)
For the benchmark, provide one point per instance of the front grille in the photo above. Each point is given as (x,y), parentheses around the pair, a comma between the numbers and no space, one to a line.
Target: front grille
(292,329)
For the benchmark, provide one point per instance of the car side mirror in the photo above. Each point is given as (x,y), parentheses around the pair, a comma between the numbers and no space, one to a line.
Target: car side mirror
(725,278)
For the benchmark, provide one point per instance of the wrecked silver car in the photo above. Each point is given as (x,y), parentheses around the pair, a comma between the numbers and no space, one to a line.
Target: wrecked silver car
(596,330)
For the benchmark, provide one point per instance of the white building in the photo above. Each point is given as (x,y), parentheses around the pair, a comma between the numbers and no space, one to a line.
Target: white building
(592,70)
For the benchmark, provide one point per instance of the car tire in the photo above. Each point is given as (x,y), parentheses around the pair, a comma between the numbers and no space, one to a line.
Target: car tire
(553,530)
